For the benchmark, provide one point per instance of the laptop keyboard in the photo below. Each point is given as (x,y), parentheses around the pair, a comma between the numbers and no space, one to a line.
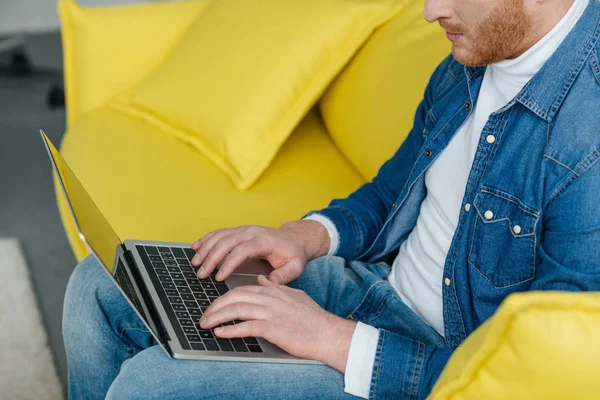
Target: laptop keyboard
(186,297)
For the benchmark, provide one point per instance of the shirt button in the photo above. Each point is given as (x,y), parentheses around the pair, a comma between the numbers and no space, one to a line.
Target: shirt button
(491,139)
(394,205)
(488,215)
(517,229)
(467,207)
(447,282)
(468,105)
(427,153)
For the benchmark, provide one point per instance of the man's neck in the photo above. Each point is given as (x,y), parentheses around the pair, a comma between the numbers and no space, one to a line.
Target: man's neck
(543,19)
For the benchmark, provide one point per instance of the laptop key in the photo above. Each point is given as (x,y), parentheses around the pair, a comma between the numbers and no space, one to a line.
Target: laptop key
(200,295)
(250,340)
(211,345)
(212,293)
(179,282)
(173,270)
(168,285)
(151,250)
(206,334)
(193,338)
(172,263)
(190,304)
(175,300)
(222,288)
(238,345)
(185,290)
(179,307)
(177,276)
(158,265)
(195,312)
(168,256)
(186,322)
(204,303)
(177,251)
(182,261)
(192,281)
(161,271)
(165,278)
(207,285)
(197,346)
(189,275)
(190,330)
(195,288)
(156,258)
(254,348)
(172,292)
(187,296)
(190,253)
(225,345)
(164,249)
(182,314)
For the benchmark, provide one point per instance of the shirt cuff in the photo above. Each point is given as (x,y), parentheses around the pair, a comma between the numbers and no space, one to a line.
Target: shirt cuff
(359,367)
(334,236)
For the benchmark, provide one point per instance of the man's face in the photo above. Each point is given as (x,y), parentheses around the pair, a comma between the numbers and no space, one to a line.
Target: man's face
(482,31)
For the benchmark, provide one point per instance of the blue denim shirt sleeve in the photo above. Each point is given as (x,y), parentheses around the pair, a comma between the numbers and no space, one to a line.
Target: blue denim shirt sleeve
(359,217)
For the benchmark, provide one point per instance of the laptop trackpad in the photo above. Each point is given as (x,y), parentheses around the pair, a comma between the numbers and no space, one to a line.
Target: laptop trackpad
(254,266)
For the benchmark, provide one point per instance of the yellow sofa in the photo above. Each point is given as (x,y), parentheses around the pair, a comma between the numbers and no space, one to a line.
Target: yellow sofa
(152,186)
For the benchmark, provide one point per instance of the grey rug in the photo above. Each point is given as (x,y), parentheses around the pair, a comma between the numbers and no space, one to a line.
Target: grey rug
(26,367)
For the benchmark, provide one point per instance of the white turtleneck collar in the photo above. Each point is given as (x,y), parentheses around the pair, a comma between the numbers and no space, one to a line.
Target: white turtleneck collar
(517,72)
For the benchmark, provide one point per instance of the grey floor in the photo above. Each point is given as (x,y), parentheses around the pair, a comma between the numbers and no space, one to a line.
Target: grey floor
(27,206)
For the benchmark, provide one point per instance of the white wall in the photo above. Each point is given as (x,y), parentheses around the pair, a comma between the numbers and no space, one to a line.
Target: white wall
(35,16)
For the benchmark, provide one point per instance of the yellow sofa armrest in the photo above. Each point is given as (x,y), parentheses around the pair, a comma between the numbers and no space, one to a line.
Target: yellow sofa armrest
(539,345)
(108,49)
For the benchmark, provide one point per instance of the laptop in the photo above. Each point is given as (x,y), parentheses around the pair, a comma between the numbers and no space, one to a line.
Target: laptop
(159,282)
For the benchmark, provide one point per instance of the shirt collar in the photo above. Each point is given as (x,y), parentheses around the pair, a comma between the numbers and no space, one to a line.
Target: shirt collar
(546,91)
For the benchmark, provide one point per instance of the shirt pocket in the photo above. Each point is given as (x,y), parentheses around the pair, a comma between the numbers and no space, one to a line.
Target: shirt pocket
(504,239)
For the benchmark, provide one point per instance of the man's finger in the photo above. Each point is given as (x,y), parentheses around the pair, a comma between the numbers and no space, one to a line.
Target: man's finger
(219,251)
(244,311)
(285,274)
(245,329)
(264,281)
(254,247)
(208,245)
(237,295)
(198,243)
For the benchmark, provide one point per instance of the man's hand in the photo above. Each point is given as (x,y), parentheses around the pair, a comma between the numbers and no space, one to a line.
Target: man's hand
(287,249)
(285,317)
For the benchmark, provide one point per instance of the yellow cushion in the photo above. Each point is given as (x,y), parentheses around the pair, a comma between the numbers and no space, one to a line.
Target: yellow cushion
(152,186)
(108,49)
(369,109)
(540,345)
(246,72)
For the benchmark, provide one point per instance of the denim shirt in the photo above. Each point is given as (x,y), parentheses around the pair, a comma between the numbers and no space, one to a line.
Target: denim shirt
(541,173)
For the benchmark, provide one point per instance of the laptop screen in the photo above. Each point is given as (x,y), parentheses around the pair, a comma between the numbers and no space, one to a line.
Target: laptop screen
(97,232)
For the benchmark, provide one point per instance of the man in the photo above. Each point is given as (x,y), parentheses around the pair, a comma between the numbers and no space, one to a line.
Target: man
(493,192)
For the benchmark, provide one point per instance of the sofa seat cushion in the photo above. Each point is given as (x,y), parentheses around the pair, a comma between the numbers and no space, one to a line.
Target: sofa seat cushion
(152,186)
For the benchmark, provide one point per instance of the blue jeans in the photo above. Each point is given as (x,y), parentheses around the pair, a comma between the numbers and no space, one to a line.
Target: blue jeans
(111,354)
